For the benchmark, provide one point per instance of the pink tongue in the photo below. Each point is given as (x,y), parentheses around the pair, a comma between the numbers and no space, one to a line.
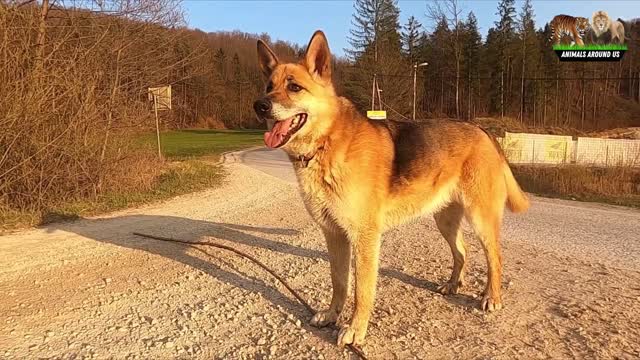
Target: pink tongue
(276,136)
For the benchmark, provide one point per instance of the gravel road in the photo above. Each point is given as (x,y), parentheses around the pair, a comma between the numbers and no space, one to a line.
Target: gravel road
(91,289)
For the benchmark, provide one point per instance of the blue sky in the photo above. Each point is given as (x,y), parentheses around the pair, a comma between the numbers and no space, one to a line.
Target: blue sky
(295,21)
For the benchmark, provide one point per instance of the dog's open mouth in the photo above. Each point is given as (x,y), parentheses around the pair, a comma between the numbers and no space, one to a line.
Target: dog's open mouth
(283,130)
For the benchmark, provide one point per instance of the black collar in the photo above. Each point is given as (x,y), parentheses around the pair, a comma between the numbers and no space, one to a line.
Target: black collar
(305,159)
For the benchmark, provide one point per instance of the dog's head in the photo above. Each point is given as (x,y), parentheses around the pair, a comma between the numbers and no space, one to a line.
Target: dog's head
(299,97)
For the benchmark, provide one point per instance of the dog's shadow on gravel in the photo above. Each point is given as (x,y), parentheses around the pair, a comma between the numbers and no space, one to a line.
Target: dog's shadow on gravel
(254,240)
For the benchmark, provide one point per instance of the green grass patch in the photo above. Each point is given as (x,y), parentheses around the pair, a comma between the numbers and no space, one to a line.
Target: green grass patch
(610,47)
(189,144)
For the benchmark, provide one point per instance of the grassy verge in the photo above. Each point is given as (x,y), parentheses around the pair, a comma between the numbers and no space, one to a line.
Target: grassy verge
(618,186)
(189,169)
(610,47)
(196,143)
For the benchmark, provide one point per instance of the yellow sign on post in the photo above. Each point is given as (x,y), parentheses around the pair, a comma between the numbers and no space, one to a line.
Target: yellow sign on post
(377,114)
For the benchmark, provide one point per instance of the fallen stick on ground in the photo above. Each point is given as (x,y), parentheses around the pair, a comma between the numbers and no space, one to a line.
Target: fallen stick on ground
(353,348)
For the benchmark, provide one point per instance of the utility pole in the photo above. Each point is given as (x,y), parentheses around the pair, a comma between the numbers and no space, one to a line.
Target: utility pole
(415,75)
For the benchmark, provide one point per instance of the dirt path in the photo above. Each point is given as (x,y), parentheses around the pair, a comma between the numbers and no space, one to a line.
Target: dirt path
(91,289)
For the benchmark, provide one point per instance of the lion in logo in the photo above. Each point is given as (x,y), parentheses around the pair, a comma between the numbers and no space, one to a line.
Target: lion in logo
(601,24)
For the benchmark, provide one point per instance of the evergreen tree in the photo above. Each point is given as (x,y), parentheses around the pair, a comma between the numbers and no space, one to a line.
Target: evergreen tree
(472,48)
(411,38)
(438,52)
(375,25)
(220,61)
(503,36)
(235,67)
(472,44)
(530,56)
(376,50)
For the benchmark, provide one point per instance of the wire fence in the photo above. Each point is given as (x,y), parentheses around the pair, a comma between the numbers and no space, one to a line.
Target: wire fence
(539,149)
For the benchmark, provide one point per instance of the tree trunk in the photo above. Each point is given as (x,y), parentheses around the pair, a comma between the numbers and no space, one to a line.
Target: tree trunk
(458,87)
(557,119)
(502,95)
(114,92)
(41,38)
(469,101)
(582,109)
(524,63)
(544,112)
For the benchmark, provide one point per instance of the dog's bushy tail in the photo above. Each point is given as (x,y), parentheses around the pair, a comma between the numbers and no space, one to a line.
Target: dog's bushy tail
(517,200)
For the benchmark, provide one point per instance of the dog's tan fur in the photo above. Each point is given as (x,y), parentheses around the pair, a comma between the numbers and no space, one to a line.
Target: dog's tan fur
(365,177)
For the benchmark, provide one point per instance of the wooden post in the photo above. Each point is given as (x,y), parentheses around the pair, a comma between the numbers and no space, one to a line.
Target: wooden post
(535,100)
(533,152)
(155,107)
(379,96)
(415,74)
(373,93)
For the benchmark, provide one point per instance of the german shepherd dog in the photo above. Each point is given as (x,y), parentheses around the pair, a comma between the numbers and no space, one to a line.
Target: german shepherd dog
(359,178)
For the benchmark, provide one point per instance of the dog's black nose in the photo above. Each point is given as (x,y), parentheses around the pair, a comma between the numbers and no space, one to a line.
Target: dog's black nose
(262,107)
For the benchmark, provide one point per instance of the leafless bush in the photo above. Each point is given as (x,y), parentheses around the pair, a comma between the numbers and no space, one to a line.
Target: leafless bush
(73,86)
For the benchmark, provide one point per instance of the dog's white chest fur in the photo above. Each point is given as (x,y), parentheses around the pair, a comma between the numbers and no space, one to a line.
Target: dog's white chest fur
(320,193)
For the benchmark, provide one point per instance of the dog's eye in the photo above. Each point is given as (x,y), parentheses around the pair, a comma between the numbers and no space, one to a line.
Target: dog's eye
(294,87)
(269,87)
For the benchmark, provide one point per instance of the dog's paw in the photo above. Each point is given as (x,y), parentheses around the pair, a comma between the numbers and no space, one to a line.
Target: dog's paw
(323,318)
(449,288)
(490,303)
(350,334)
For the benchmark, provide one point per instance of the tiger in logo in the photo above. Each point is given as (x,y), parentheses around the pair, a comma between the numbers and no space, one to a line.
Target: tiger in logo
(575,27)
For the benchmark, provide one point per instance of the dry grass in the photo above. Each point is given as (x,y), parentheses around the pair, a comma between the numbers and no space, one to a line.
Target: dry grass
(614,185)
(132,190)
(137,177)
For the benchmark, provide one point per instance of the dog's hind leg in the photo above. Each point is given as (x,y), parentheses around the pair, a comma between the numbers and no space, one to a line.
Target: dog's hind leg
(340,260)
(449,222)
(486,224)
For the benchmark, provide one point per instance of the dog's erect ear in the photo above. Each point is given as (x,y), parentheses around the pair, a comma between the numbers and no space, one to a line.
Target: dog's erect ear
(267,59)
(318,57)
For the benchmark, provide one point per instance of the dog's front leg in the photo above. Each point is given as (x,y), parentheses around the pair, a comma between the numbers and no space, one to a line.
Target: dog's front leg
(340,260)
(367,251)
